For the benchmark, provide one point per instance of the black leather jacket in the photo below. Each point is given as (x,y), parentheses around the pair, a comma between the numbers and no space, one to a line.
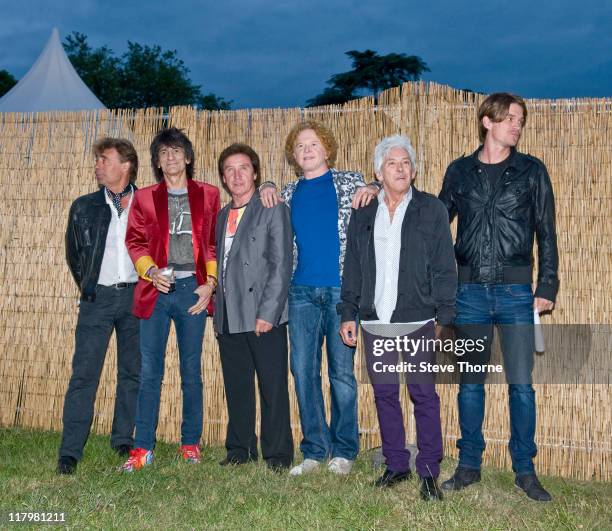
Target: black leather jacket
(88,223)
(427,280)
(496,226)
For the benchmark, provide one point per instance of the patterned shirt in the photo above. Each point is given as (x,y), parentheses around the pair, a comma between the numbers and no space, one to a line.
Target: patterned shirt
(346,184)
(233,220)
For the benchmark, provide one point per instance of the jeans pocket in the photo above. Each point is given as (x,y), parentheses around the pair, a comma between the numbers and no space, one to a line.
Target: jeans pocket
(518,290)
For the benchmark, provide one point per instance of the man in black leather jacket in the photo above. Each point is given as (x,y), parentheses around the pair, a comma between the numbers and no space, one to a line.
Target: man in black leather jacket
(102,269)
(503,199)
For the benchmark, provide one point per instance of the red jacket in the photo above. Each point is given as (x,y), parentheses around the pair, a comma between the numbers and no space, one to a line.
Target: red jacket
(148,235)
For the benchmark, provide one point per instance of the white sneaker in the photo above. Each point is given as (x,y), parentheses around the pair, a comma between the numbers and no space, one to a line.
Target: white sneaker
(305,467)
(340,466)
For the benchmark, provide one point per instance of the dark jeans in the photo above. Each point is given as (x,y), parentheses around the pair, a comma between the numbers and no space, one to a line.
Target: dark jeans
(312,318)
(243,355)
(112,309)
(422,390)
(153,340)
(510,308)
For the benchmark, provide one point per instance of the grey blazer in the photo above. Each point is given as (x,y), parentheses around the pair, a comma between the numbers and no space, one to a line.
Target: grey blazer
(259,267)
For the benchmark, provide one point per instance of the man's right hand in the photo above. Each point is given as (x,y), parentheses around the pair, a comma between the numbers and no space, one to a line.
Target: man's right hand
(160,282)
(348,333)
(269,196)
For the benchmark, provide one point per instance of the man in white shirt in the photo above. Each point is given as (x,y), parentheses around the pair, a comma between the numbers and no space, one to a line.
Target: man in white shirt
(101,267)
(400,280)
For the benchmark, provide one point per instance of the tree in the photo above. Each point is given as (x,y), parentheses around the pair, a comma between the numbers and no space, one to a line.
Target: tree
(99,69)
(211,102)
(144,76)
(371,74)
(154,78)
(7,82)
(332,96)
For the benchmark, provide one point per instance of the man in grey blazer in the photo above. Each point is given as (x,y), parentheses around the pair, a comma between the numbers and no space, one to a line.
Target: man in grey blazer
(254,266)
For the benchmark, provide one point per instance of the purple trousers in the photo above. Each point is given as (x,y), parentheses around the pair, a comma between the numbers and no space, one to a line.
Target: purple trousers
(382,353)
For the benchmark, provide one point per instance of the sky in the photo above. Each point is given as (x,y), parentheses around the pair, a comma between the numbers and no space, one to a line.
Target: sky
(281,53)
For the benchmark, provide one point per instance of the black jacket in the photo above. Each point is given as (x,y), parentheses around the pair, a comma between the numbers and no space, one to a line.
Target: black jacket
(88,223)
(427,280)
(497,225)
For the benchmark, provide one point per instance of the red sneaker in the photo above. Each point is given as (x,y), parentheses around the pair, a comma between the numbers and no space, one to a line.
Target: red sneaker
(190,453)
(139,457)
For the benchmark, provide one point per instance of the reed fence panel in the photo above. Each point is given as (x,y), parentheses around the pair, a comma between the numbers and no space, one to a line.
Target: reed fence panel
(46,163)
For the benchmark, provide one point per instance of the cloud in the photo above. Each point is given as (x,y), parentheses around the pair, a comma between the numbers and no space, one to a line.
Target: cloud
(263,53)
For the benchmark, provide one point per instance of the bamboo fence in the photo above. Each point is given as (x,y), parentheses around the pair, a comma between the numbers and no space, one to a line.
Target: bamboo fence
(46,163)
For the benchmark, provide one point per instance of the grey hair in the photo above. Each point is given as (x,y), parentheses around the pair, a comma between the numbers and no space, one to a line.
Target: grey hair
(387,144)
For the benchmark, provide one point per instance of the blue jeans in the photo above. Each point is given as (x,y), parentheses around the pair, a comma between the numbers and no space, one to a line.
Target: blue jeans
(312,317)
(510,308)
(153,340)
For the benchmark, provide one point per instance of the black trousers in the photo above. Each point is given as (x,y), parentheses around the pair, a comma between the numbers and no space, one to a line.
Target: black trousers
(243,355)
(112,309)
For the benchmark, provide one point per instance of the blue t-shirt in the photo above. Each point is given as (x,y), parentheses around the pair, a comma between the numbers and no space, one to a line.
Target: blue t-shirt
(314,215)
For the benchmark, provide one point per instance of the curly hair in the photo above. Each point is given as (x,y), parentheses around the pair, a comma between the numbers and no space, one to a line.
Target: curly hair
(325,136)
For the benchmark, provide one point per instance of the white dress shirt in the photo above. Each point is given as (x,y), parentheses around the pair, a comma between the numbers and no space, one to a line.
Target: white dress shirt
(387,248)
(116,264)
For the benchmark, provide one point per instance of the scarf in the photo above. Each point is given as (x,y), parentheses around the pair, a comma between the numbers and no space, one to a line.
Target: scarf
(116,198)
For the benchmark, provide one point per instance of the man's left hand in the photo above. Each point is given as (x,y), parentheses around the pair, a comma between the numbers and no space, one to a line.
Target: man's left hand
(364,195)
(261,327)
(543,305)
(269,196)
(348,333)
(204,293)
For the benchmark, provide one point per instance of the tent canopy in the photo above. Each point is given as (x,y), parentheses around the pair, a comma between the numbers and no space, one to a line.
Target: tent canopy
(52,84)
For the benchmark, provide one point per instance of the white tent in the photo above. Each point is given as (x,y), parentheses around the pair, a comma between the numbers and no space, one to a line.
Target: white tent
(52,84)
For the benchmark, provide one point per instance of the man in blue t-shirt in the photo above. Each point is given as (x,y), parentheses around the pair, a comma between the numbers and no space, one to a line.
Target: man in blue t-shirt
(320,201)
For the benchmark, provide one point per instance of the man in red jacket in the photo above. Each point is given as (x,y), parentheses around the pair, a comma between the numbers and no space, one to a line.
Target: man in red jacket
(172,224)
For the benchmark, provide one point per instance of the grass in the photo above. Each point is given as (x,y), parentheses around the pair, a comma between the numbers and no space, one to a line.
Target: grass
(175,495)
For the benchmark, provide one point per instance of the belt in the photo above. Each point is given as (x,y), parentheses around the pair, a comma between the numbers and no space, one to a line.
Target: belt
(509,275)
(120,285)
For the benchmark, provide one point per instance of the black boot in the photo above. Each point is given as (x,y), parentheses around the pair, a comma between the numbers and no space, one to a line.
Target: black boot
(462,478)
(233,460)
(429,489)
(66,465)
(391,478)
(532,487)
